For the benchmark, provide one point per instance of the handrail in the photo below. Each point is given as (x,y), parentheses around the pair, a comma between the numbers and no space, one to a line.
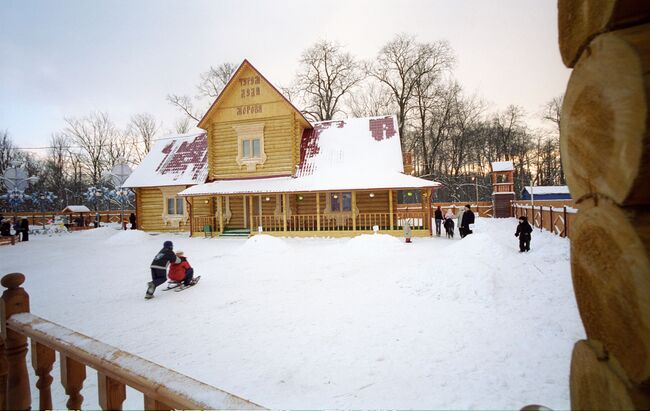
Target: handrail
(162,388)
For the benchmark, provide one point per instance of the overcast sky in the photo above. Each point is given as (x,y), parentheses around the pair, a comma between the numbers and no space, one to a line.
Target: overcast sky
(68,58)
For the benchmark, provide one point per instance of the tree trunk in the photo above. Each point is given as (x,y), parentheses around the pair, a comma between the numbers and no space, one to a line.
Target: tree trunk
(599,383)
(605,125)
(579,21)
(611,279)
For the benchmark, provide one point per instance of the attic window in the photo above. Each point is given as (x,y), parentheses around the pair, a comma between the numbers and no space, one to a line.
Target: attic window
(250,145)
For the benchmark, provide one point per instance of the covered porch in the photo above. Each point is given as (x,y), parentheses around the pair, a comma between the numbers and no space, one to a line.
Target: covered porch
(326,213)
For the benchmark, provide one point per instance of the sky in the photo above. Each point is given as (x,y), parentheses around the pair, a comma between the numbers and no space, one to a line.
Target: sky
(69,58)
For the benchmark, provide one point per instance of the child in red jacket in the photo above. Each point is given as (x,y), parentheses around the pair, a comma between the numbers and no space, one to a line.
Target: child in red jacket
(182,271)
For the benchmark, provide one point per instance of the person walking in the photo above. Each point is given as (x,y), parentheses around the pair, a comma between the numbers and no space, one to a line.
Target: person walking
(524,231)
(132,220)
(159,267)
(438,217)
(24,228)
(459,222)
(466,221)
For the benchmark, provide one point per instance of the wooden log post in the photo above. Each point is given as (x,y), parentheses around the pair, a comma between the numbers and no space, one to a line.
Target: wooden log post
(579,21)
(42,360)
(611,278)
(354,210)
(220,210)
(250,211)
(598,382)
(605,129)
(111,393)
(15,301)
(284,211)
(317,211)
(390,209)
(566,223)
(73,374)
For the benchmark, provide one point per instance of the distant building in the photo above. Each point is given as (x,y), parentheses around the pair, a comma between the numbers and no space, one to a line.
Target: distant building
(546,193)
(503,188)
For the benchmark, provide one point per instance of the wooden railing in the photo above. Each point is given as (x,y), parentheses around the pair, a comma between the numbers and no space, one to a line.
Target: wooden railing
(38,218)
(162,388)
(199,223)
(557,220)
(366,221)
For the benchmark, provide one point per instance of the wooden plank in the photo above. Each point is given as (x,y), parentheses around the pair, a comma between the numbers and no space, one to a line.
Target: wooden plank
(73,374)
(112,393)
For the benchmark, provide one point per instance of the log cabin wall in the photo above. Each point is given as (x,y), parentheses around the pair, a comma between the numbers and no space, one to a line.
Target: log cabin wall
(376,204)
(151,208)
(605,144)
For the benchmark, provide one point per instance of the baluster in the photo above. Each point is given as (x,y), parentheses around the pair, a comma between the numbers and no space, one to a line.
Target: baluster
(111,393)
(42,360)
(15,301)
(73,375)
(152,404)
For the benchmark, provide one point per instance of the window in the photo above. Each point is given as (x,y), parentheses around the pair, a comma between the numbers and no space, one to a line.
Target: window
(341,202)
(409,197)
(175,206)
(250,148)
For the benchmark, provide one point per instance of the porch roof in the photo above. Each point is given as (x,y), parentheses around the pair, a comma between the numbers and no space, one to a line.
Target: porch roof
(338,182)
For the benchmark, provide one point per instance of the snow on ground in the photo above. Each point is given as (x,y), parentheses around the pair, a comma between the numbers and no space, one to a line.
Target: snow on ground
(367,322)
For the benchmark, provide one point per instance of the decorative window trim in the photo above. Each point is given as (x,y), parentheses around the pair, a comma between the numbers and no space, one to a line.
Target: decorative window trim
(253,131)
(174,220)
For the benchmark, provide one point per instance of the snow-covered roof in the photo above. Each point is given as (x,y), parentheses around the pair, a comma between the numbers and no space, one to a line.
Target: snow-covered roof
(76,209)
(352,154)
(173,160)
(541,190)
(502,166)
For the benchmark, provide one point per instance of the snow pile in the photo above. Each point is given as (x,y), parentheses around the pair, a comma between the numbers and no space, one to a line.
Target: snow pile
(263,243)
(127,237)
(326,323)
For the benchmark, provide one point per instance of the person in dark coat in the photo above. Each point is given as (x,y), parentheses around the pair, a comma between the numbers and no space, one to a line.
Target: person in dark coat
(468,218)
(438,217)
(132,220)
(523,232)
(24,228)
(159,267)
(5,228)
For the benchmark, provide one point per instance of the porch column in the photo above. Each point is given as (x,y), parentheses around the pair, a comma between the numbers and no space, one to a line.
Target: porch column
(390,208)
(250,207)
(220,209)
(354,211)
(317,211)
(428,213)
(284,210)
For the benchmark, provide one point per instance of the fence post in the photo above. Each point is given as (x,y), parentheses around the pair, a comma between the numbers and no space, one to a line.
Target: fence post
(14,301)
(566,224)
(552,224)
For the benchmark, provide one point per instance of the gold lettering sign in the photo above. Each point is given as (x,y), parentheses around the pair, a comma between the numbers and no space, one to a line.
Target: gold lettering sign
(248,86)
(249,109)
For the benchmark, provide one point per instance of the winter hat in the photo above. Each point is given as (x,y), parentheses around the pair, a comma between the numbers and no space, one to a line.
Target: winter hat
(180,253)
(168,244)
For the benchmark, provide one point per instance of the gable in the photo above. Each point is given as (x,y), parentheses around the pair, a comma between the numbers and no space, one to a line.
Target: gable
(249,96)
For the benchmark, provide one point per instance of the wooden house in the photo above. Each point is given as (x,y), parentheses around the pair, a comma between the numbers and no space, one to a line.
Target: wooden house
(545,193)
(269,170)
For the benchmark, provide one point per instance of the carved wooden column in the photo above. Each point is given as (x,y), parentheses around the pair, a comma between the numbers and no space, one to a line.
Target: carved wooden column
(73,375)
(284,210)
(111,393)
(317,211)
(15,300)
(42,361)
(354,211)
(390,209)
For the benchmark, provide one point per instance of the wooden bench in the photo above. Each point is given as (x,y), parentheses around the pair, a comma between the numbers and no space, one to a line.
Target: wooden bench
(10,239)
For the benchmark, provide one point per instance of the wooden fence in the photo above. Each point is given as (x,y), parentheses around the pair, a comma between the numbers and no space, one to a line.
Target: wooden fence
(557,220)
(484,208)
(105,216)
(163,389)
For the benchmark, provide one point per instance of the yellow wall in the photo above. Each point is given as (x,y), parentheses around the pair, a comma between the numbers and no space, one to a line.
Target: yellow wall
(150,211)
(249,99)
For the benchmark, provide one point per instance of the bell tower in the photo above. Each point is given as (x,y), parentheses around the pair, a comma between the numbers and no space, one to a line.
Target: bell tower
(503,188)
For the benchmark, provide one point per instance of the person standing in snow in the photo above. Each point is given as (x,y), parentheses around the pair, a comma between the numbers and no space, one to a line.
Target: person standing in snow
(466,220)
(182,271)
(438,217)
(524,231)
(24,228)
(132,221)
(459,222)
(159,267)
(449,223)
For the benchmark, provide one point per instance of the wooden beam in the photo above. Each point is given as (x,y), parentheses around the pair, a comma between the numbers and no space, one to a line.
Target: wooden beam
(354,210)
(317,211)
(284,210)
(390,208)
(250,212)
(220,209)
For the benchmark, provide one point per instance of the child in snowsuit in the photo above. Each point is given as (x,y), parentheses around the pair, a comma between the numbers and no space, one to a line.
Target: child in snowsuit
(182,271)
(523,232)
(449,223)
(159,267)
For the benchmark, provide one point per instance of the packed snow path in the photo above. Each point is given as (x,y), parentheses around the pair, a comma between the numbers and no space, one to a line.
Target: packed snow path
(367,322)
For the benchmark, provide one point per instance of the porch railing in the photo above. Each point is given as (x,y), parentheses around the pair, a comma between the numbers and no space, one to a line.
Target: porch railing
(163,389)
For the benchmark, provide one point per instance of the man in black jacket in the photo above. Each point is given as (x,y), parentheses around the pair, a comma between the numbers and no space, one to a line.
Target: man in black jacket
(468,218)
(159,267)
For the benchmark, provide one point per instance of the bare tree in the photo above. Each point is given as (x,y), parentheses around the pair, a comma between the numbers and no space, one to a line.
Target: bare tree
(371,99)
(210,85)
(92,134)
(182,125)
(326,75)
(402,62)
(7,151)
(142,128)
